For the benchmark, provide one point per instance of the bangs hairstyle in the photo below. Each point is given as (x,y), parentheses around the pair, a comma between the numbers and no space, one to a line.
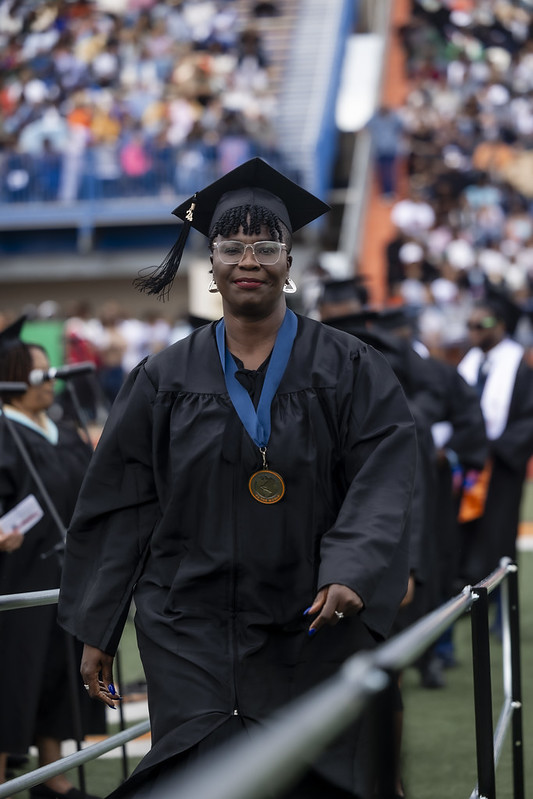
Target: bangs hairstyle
(251,218)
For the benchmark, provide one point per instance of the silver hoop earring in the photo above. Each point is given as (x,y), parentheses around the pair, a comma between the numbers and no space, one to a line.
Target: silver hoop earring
(290,286)
(212,287)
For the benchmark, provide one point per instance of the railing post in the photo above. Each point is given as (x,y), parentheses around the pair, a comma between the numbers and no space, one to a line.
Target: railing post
(511,608)
(118,667)
(387,743)
(483,695)
(73,679)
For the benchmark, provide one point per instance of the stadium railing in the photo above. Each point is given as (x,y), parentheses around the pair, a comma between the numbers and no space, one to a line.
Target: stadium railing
(79,758)
(260,765)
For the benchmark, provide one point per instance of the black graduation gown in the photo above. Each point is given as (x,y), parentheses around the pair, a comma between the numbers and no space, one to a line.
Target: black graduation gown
(221,581)
(446,396)
(33,647)
(493,536)
(410,369)
(456,402)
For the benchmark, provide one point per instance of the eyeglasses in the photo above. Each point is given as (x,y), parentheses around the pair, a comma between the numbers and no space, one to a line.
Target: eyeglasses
(485,324)
(266,253)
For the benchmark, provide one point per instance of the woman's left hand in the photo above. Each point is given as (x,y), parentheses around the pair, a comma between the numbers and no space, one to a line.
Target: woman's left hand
(332,603)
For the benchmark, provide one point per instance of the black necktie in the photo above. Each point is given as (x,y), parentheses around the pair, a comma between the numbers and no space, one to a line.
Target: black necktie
(482,375)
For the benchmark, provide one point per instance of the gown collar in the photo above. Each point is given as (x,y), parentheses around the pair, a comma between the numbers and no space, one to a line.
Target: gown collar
(51,432)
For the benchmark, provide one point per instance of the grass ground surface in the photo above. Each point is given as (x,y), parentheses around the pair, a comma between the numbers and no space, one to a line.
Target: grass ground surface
(439,759)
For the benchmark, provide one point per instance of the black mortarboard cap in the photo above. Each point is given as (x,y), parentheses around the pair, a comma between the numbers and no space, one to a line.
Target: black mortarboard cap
(395,317)
(253,183)
(343,290)
(10,336)
(353,322)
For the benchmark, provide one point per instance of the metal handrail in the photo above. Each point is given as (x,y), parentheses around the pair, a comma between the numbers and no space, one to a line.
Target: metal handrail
(306,726)
(489,743)
(29,599)
(258,764)
(402,650)
(13,786)
(252,766)
(71,761)
(496,577)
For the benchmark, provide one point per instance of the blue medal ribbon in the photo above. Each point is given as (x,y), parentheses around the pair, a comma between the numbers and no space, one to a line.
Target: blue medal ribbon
(257,423)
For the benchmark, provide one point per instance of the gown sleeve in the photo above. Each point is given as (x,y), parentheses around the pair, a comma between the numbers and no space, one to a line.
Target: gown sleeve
(116,512)
(379,444)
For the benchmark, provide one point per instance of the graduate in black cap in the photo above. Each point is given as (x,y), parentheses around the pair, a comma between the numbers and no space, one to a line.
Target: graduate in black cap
(342,297)
(249,491)
(450,435)
(36,703)
(496,367)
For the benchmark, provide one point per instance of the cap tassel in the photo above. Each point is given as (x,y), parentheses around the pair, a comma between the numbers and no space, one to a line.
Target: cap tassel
(158,279)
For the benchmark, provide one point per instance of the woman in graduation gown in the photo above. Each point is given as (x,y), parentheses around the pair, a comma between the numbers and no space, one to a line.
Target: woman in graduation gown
(259,559)
(35,707)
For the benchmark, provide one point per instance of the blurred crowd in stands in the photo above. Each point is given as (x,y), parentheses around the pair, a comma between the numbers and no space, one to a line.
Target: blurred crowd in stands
(113,98)
(455,163)
(125,97)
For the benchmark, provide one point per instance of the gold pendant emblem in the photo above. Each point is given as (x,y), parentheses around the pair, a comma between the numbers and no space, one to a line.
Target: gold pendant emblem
(266,486)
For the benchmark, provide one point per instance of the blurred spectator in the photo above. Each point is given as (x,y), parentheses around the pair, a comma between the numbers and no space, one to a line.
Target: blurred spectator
(251,73)
(47,172)
(135,163)
(413,215)
(234,146)
(143,337)
(386,129)
(82,336)
(265,9)
(111,348)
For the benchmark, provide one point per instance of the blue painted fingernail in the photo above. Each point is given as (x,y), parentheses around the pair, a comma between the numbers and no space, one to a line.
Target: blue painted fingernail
(306,611)
(312,631)
(111,688)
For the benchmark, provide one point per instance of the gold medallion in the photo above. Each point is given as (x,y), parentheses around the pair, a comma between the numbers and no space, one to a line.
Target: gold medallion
(266,486)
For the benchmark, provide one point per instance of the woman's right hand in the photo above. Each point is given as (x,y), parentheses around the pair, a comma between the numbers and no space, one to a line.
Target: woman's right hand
(97,672)
(9,542)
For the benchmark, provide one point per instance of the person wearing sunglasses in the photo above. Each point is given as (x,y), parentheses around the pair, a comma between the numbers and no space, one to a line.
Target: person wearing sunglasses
(36,705)
(496,367)
(250,491)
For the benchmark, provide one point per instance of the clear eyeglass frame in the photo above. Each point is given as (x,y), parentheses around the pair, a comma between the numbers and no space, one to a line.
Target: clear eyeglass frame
(266,253)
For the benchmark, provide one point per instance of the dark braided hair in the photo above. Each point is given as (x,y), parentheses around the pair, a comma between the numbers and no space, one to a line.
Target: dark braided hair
(250,218)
